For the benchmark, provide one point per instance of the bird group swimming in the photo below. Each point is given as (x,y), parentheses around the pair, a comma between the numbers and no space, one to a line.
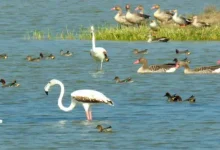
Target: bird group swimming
(87,97)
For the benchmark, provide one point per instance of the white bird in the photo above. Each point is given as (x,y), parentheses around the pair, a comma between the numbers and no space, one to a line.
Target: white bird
(1,121)
(98,53)
(85,97)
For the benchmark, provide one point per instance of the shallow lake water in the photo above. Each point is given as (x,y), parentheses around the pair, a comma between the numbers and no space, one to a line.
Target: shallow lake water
(141,118)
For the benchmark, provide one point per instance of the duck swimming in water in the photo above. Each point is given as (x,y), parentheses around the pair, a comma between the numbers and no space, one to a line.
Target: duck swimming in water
(12,84)
(3,56)
(136,51)
(101,129)
(186,52)
(29,58)
(67,53)
(191,99)
(51,56)
(127,80)
(173,98)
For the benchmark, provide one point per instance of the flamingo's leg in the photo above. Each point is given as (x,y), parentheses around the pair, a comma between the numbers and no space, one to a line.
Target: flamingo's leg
(87,110)
(90,114)
(87,115)
(101,66)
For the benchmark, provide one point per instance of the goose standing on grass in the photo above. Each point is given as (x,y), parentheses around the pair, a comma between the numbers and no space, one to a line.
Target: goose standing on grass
(154,25)
(200,70)
(182,21)
(67,53)
(198,24)
(163,68)
(120,17)
(99,54)
(162,16)
(85,97)
(133,17)
(3,56)
(12,84)
(141,11)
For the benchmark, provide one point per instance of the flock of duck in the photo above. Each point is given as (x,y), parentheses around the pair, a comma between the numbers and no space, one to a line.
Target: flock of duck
(88,97)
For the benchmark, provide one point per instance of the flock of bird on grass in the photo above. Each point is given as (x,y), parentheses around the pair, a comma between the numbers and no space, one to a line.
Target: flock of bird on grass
(161,17)
(87,97)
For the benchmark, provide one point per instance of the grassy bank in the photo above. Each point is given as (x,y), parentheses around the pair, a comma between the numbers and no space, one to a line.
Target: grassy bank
(109,32)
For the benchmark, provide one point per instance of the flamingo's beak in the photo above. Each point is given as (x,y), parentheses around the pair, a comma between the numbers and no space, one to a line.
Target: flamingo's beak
(137,62)
(46,92)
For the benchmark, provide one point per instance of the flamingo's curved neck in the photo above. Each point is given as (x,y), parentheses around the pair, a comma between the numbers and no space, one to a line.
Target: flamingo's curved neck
(60,99)
(175,14)
(93,40)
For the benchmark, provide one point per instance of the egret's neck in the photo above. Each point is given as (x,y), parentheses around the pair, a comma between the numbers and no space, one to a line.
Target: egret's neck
(60,99)
(93,40)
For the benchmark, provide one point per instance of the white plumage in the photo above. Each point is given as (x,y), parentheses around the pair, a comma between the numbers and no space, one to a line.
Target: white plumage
(85,97)
(99,54)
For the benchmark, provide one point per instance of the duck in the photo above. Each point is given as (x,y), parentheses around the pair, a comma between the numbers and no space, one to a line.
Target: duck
(160,39)
(182,21)
(198,24)
(120,17)
(186,52)
(29,58)
(136,51)
(154,25)
(162,68)
(3,56)
(162,16)
(173,98)
(185,60)
(67,53)
(12,84)
(200,70)
(191,99)
(50,56)
(134,17)
(127,80)
(102,129)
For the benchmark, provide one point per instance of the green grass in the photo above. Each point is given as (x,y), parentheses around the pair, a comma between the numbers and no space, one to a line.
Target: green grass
(132,34)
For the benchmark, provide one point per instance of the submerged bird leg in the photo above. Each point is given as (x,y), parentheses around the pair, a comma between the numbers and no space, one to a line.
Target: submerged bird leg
(101,66)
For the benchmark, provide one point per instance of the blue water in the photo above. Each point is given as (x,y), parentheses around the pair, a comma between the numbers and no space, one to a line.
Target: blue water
(141,117)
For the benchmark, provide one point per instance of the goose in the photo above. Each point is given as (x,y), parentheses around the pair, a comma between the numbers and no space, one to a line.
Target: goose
(200,70)
(12,84)
(133,17)
(191,99)
(99,54)
(128,80)
(182,21)
(186,52)
(3,56)
(141,11)
(86,97)
(198,24)
(162,68)
(173,98)
(67,53)
(101,129)
(50,56)
(120,17)
(160,39)
(136,51)
(29,58)
(154,25)
(162,16)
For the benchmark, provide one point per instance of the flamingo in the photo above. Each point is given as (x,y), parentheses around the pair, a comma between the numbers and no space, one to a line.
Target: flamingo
(85,97)
(98,53)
